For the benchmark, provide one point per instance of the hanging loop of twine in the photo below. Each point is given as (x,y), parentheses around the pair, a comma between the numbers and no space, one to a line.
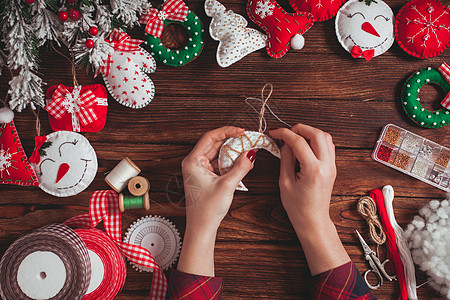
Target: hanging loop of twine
(72,62)
(368,209)
(38,122)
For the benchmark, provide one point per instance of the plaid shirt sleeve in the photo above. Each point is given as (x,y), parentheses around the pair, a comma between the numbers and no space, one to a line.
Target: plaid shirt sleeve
(190,286)
(343,282)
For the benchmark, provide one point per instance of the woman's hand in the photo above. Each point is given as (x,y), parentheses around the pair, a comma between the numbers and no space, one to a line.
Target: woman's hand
(208,198)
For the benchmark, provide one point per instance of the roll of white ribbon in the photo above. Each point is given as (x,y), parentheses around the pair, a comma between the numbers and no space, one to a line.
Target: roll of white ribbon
(119,176)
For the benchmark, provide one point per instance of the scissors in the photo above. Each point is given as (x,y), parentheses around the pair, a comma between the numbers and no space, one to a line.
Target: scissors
(376,266)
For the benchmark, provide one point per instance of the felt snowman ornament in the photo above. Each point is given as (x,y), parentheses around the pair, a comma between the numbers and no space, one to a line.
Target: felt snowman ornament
(230,29)
(64,162)
(365,28)
(124,71)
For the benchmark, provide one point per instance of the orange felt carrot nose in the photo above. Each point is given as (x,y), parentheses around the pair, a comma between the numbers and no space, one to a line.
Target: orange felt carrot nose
(63,169)
(367,27)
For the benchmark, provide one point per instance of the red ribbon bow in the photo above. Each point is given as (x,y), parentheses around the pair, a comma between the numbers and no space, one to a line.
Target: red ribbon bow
(175,10)
(38,142)
(358,52)
(120,41)
(104,205)
(444,69)
(74,103)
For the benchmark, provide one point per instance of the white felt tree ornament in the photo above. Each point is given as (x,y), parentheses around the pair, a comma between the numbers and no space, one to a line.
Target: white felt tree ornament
(230,29)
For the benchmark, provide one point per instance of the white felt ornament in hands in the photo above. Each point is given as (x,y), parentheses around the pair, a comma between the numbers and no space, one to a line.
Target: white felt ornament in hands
(365,28)
(230,29)
(234,147)
(66,163)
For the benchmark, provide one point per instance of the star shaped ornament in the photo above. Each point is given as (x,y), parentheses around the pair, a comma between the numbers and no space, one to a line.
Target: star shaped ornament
(284,30)
(230,29)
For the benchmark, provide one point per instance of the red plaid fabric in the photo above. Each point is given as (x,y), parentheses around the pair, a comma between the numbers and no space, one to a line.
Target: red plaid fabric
(189,286)
(120,41)
(445,71)
(175,10)
(104,205)
(343,282)
(79,106)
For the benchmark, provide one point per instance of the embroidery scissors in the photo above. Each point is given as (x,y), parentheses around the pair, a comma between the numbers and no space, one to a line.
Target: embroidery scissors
(376,266)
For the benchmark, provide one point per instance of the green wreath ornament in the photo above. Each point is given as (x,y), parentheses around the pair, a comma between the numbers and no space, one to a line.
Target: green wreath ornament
(411,101)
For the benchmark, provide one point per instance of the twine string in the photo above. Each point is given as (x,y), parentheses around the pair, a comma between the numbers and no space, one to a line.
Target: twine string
(368,209)
(72,63)
(38,122)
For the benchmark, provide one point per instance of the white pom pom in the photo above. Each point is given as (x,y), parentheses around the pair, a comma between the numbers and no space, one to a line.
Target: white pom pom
(297,42)
(6,115)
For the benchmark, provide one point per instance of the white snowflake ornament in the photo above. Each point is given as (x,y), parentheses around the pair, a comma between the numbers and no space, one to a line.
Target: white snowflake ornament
(230,29)
(264,8)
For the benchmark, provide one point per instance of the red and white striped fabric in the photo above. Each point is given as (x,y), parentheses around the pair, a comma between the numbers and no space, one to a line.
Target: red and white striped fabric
(175,10)
(445,71)
(104,205)
(121,41)
(80,106)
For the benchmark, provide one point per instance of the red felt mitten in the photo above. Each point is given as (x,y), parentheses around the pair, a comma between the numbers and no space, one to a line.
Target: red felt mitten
(80,109)
(14,166)
(281,27)
(422,28)
(321,9)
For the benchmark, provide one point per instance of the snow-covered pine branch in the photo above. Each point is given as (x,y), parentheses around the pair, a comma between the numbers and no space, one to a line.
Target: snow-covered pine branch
(26,88)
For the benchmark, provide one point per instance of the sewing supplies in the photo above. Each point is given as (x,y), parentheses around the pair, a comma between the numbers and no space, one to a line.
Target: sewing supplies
(159,236)
(51,262)
(403,251)
(108,268)
(376,266)
(118,178)
(133,202)
(138,186)
(414,155)
(368,209)
(392,250)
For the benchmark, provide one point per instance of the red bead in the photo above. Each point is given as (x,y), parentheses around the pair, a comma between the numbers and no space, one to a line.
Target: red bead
(71,2)
(93,31)
(63,16)
(29,1)
(89,43)
(74,14)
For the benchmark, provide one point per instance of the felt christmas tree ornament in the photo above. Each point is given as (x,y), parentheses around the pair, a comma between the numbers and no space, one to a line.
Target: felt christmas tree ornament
(173,12)
(79,108)
(422,28)
(281,27)
(14,166)
(365,28)
(64,162)
(124,71)
(321,9)
(230,29)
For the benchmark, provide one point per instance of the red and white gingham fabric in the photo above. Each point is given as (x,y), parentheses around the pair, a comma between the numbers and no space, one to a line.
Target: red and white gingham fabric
(121,41)
(104,205)
(175,10)
(445,71)
(81,109)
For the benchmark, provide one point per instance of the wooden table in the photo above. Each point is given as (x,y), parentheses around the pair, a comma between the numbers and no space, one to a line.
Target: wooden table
(257,251)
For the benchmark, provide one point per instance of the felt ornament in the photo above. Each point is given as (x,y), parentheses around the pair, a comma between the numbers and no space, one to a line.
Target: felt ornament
(79,108)
(422,28)
(64,162)
(365,28)
(123,71)
(6,115)
(428,237)
(14,166)
(281,27)
(230,29)
(234,147)
(321,9)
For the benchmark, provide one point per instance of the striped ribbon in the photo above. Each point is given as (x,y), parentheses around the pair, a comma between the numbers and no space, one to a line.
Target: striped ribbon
(444,69)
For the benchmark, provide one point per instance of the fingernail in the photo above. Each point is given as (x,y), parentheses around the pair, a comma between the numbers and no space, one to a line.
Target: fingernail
(251,155)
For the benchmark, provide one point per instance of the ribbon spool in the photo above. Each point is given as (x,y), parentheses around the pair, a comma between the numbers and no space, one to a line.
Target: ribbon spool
(118,178)
(134,202)
(52,262)
(138,186)
(107,264)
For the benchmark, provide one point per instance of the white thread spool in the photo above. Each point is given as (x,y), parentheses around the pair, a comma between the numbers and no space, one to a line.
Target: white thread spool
(118,178)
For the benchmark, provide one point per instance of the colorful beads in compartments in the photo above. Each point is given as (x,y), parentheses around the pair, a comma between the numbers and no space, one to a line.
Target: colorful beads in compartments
(414,155)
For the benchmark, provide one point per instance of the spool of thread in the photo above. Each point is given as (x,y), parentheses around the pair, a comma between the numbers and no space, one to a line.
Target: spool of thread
(134,202)
(138,186)
(118,178)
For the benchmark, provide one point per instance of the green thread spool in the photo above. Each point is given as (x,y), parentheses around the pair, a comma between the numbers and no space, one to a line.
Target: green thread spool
(134,202)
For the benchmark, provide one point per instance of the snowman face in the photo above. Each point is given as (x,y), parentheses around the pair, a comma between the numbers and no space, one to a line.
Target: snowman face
(369,27)
(68,166)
